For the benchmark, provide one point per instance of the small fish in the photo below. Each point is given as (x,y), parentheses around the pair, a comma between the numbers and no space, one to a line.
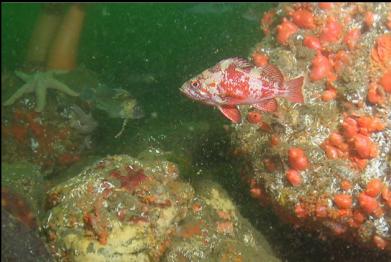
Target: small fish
(82,122)
(234,81)
(116,102)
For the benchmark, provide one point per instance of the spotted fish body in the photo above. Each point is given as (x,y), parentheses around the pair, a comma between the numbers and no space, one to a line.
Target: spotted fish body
(234,81)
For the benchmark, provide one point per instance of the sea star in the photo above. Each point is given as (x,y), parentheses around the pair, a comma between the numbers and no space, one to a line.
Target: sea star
(39,82)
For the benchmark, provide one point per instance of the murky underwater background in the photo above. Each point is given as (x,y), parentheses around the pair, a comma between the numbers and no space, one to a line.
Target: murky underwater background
(171,43)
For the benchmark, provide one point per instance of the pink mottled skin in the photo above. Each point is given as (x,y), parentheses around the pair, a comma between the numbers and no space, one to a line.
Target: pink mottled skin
(234,81)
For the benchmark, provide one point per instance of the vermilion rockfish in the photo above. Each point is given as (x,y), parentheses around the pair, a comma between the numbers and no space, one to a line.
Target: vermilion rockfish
(234,81)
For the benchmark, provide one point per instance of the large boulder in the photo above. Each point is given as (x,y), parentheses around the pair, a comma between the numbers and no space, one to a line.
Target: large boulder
(325,164)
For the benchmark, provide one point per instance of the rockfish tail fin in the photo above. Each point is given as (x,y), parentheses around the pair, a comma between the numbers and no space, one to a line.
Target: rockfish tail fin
(294,90)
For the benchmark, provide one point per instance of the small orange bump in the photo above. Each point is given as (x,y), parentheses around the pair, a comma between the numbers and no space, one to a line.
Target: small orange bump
(377,125)
(285,30)
(345,212)
(225,227)
(254,117)
(224,215)
(196,207)
(264,126)
(340,60)
(375,94)
(343,201)
(352,38)
(331,152)
(303,18)
(358,217)
(359,163)
(364,147)
(343,149)
(332,32)
(266,21)
(260,59)
(386,195)
(374,187)
(370,124)
(320,68)
(369,19)
(297,159)
(336,138)
(301,163)
(380,242)
(346,185)
(329,95)
(367,203)
(295,152)
(293,177)
(312,42)
(300,211)
(256,193)
(338,228)
(349,127)
(274,140)
(385,82)
(378,212)
(321,211)
(326,5)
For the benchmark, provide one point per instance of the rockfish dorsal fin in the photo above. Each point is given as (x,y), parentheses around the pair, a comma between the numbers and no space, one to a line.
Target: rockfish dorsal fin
(272,73)
(241,62)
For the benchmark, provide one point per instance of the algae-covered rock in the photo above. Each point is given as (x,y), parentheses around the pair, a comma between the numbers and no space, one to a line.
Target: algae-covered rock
(22,186)
(214,230)
(325,164)
(19,242)
(124,209)
(118,209)
(58,136)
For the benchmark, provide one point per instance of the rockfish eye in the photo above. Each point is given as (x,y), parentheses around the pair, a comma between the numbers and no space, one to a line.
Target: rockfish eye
(195,84)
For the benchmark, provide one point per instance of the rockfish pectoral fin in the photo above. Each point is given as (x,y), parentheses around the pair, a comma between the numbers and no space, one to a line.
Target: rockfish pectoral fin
(269,105)
(231,112)
(294,90)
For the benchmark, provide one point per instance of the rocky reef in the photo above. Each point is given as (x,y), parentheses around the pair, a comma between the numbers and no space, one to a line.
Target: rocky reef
(325,165)
(118,208)
(54,138)
(124,209)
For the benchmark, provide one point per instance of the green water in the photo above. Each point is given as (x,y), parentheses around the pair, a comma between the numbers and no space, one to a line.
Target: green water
(172,42)
(160,39)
